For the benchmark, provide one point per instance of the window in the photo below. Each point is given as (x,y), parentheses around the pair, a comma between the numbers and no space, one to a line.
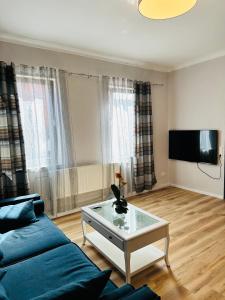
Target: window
(36,99)
(123,125)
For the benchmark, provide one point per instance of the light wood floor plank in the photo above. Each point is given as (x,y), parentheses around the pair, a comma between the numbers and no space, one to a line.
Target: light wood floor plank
(197,248)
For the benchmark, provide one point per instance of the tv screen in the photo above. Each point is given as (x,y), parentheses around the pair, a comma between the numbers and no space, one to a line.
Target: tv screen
(194,145)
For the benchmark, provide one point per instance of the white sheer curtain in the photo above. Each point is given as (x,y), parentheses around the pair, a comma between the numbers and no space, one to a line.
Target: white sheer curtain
(48,140)
(118,126)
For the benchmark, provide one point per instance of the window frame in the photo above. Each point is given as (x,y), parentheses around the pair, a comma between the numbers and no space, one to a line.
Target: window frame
(53,84)
(123,90)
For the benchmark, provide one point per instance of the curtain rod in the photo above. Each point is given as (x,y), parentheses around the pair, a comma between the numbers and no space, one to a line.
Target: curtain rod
(97,76)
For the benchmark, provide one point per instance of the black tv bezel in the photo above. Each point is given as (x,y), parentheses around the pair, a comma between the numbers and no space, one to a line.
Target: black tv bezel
(215,162)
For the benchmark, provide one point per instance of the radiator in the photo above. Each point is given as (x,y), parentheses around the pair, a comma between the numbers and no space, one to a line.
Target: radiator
(74,187)
(95,177)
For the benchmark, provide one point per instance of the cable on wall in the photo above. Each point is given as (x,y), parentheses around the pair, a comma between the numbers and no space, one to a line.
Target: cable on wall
(214,178)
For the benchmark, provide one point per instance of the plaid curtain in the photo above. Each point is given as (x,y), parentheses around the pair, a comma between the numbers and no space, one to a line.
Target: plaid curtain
(13,180)
(144,171)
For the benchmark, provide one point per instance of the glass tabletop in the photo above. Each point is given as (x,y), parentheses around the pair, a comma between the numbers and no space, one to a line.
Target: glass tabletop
(130,222)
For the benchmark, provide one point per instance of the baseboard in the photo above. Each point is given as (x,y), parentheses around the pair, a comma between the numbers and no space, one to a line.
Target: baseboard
(156,188)
(160,186)
(196,191)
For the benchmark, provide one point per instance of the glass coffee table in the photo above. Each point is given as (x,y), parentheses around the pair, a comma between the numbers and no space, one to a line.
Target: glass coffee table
(125,240)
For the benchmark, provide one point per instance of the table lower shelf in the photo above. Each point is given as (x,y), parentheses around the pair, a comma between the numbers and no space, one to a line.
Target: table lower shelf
(140,259)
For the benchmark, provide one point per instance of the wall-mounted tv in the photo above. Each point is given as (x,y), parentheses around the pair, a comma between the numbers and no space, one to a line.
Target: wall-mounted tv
(194,145)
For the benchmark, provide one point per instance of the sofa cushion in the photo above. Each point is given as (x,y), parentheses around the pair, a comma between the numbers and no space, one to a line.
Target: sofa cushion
(48,271)
(1,253)
(2,273)
(3,295)
(86,289)
(14,216)
(30,240)
(118,293)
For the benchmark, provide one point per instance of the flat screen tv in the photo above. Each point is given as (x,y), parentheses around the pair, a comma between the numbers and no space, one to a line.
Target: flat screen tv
(194,145)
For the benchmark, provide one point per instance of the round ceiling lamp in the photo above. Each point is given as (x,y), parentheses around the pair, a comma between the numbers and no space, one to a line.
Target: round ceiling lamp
(164,9)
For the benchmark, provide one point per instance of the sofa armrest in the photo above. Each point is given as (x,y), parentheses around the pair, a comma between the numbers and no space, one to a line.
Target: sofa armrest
(118,293)
(16,200)
(39,207)
(143,293)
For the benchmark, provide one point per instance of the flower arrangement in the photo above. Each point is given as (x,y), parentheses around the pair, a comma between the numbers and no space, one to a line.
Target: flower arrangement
(121,202)
(122,183)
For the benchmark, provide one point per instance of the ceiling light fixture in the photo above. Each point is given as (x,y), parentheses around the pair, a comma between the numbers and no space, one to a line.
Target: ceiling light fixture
(164,9)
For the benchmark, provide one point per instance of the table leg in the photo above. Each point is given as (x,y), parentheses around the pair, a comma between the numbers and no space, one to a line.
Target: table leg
(83,224)
(127,266)
(167,242)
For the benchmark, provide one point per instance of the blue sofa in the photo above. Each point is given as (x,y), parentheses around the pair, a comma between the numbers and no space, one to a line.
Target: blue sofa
(39,258)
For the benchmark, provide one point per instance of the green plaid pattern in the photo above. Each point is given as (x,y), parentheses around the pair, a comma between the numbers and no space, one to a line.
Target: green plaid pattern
(13,180)
(144,170)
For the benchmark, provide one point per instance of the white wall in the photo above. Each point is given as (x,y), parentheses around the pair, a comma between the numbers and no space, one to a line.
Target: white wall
(196,100)
(84,105)
(84,102)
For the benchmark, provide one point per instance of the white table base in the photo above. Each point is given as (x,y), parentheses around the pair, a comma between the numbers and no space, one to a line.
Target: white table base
(136,261)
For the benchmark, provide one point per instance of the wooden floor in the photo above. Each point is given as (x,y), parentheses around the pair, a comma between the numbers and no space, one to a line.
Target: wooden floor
(197,248)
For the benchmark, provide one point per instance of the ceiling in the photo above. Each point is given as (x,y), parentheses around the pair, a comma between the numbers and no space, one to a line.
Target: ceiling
(114,30)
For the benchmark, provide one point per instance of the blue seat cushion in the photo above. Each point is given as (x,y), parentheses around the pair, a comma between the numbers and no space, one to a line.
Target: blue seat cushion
(27,241)
(86,289)
(14,216)
(48,271)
